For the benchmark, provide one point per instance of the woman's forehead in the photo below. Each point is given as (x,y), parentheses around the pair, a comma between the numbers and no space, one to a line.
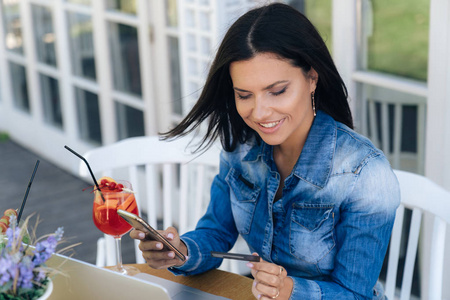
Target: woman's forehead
(263,70)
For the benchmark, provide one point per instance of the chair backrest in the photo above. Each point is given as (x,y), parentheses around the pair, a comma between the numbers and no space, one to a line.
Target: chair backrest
(170,182)
(422,196)
(386,125)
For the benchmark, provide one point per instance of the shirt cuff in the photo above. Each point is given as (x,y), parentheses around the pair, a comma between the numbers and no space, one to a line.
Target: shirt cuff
(193,260)
(305,289)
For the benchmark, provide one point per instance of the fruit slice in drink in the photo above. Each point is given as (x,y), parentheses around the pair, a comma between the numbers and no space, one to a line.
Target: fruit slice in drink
(105,212)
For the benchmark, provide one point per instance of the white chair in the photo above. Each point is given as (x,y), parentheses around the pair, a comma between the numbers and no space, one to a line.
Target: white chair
(422,196)
(385,125)
(172,185)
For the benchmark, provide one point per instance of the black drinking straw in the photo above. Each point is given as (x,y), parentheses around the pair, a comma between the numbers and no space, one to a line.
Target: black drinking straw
(26,193)
(90,171)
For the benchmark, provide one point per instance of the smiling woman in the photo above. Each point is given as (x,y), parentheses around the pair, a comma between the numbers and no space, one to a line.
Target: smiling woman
(273,97)
(314,199)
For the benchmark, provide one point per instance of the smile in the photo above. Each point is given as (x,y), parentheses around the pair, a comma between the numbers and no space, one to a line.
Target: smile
(269,125)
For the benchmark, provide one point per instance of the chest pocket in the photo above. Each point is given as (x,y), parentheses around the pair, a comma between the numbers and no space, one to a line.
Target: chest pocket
(243,200)
(311,231)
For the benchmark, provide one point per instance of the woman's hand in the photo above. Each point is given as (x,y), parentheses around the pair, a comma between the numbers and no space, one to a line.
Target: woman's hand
(270,281)
(153,251)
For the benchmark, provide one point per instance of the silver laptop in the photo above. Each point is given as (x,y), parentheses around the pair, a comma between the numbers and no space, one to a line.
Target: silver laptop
(86,281)
(179,291)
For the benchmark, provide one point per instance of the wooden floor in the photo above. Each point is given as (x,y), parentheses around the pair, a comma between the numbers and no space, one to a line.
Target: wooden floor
(56,196)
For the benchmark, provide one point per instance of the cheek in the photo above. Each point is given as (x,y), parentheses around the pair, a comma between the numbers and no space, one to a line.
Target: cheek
(242,109)
(302,101)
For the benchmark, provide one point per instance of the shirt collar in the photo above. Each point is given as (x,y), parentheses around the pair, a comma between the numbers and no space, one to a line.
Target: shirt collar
(259,150)
(316,159)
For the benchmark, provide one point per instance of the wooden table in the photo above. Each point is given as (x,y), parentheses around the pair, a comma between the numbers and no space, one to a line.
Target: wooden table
(80,280)
(217,282)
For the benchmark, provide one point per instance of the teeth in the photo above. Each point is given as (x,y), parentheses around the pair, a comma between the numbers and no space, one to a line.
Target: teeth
(269,125)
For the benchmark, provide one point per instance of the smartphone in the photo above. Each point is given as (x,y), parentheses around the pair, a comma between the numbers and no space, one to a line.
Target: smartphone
(246,257)
(151,234)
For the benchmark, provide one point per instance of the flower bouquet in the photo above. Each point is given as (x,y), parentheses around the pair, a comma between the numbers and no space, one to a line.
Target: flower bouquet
(23,272)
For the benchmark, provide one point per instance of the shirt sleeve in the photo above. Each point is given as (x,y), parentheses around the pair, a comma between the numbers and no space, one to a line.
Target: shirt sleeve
(215,231)
(318,290)
(362,236)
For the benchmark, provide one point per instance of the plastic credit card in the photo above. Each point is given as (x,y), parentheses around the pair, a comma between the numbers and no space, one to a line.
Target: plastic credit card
(238,256)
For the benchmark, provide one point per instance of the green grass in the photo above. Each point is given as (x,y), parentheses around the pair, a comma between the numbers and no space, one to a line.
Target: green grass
(4,136)
(319,13)
(399,43)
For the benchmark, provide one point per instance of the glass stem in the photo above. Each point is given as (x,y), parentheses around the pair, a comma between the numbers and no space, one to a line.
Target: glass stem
(119,265)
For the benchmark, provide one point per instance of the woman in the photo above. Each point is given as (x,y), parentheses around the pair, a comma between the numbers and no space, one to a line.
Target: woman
(312,197)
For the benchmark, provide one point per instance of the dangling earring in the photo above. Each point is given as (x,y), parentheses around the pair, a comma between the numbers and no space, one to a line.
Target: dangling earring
(313,103)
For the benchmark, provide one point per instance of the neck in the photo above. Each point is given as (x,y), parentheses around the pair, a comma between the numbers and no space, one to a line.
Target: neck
(288,153)
(293,146)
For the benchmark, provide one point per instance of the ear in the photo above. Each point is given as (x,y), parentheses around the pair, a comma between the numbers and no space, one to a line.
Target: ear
(313,78)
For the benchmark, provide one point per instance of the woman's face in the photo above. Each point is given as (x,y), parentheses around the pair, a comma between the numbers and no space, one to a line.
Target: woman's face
(273,97)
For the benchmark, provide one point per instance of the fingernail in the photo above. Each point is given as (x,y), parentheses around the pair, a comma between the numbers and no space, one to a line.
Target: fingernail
(159,246)
(171,254)
(170,236)
(141,235)
(254,283)
(250,265)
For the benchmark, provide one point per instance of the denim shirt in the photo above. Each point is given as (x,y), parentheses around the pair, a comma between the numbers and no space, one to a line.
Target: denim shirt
(330,229)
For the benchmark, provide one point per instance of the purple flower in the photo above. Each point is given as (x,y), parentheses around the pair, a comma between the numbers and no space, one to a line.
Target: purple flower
(20,269)
(12,236)
(44,250)
(39,274)
(25,273)
(59,233)
(5,270)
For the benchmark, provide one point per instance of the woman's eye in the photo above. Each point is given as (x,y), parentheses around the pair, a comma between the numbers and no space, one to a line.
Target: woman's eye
(280,91)
(243,97)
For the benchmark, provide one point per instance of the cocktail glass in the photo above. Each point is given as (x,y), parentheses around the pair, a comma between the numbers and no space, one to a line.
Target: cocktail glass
(106,219)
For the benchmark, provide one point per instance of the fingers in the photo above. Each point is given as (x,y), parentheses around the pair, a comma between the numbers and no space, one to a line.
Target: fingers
(268,268)
(137,234)
(262,291)
(155,253)
(160,259)
(268,279)
(267,272)
(171,233)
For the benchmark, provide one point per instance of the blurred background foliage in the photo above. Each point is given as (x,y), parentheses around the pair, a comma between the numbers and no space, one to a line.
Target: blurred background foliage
(398,43)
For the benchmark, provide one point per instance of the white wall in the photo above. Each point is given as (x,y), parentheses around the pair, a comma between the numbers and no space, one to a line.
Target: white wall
(437,152)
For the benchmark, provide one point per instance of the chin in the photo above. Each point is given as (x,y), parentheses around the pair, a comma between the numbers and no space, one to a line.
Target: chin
(272,141)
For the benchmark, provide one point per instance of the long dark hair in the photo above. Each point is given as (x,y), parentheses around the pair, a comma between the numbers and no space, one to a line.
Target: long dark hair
(276,28)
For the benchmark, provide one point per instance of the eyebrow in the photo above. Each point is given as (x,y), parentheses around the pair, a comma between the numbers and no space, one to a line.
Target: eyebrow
(266,88)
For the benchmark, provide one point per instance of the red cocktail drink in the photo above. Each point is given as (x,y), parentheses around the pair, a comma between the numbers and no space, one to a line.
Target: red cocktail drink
(105,213)
(114,195)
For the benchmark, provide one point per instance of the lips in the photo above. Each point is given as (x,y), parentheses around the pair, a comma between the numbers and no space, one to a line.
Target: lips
(269,125)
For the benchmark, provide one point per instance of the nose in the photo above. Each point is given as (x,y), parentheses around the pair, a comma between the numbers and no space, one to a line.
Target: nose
(261,110)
